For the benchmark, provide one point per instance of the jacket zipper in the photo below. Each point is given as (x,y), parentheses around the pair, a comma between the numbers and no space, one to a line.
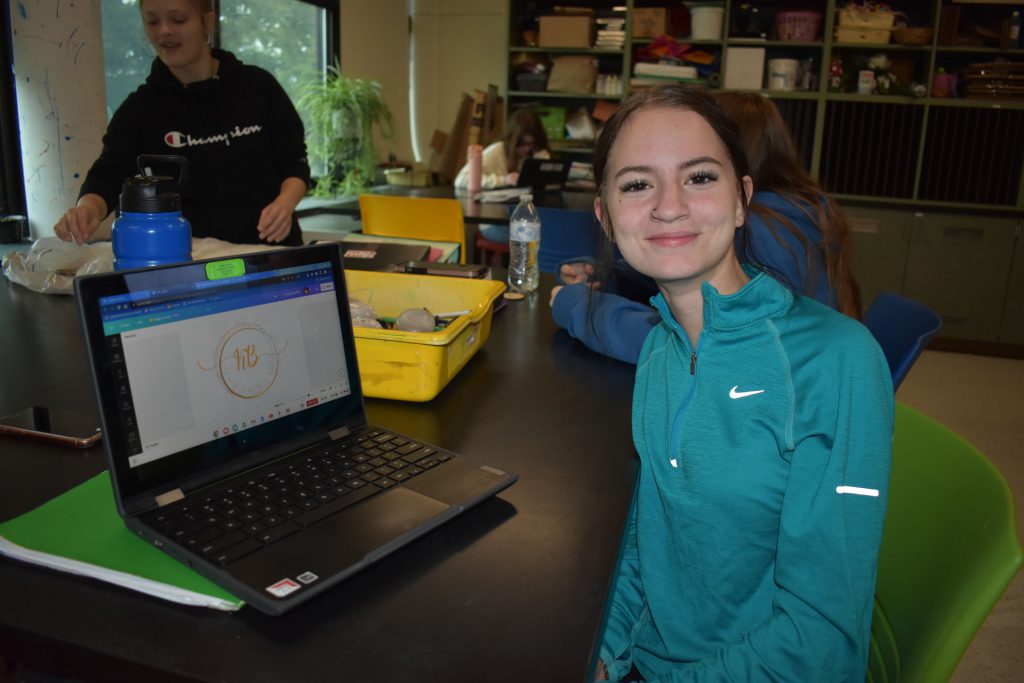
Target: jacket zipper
(673,433)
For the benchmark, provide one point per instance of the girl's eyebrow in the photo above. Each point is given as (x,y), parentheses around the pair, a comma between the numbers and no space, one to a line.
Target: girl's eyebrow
(689,163)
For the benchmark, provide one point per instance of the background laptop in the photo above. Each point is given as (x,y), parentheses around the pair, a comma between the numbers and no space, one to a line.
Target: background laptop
(536,177)
(235,429)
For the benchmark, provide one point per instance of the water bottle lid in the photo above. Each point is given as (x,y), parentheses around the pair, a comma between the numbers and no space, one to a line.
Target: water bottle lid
(147,193)
(526,197)
(150,194)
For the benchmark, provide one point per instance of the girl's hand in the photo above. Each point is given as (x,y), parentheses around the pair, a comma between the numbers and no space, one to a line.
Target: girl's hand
(80,222)
(275,221)
(571,273)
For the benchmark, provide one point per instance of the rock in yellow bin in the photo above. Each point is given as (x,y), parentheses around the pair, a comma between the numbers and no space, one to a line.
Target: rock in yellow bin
(416,366)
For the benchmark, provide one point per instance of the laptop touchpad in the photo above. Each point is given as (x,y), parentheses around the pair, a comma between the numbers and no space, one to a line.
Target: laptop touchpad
(381,519)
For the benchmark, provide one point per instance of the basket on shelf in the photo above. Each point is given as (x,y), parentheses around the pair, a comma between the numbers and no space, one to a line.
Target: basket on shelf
(877,36)
(859,17)
(798,26)
(918,35)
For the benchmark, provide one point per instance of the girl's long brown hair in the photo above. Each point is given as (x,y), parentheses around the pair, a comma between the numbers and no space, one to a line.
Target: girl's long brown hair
(775,166)
(523,122)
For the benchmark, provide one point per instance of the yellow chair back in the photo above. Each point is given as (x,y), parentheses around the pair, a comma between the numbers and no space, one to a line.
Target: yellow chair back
(422,218)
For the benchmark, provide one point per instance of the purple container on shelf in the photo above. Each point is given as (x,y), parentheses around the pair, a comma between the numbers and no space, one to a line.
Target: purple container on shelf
(150,230)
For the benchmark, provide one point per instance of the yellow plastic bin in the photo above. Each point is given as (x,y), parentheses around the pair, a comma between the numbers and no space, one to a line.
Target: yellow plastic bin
(416,366)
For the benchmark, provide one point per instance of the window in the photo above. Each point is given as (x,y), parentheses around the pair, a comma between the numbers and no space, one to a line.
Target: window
(291,39)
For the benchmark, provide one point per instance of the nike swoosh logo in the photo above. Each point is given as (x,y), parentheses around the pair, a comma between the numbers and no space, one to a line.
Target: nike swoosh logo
(743,394)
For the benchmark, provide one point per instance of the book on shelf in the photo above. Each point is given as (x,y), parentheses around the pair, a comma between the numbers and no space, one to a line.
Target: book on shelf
(80,532)
(664,70)
(651,81)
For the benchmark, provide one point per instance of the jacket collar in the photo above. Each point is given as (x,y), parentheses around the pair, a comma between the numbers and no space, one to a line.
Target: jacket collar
(761,298)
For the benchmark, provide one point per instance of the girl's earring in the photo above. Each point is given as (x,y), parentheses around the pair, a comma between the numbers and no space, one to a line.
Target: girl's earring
(209,40)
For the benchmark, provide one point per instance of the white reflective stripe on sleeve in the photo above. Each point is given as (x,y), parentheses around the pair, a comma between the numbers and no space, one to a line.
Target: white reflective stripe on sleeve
(857,491)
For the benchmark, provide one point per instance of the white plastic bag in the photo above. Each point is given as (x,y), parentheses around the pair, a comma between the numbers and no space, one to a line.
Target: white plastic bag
(51,264)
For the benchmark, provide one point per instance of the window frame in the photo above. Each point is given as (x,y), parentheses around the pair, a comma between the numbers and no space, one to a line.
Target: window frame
(333,9)
(12,186)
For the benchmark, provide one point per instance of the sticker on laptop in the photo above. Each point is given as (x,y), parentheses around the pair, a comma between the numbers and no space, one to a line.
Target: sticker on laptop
(307,577)
(282,588)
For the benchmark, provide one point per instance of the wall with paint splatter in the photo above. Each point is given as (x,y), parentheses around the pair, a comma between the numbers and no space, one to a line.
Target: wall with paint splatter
(58,68)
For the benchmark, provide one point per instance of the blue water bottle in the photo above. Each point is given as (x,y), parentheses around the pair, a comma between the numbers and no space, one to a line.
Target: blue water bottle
(150,230)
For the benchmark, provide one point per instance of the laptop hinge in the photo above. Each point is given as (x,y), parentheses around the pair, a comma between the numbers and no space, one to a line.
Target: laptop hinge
(339,433)
(172,496)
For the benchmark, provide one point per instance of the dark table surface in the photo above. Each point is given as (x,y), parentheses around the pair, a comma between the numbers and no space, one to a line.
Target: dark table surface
(512,590)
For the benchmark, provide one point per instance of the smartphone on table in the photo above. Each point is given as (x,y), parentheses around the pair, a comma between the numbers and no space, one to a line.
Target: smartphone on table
(450,269)
(64,427)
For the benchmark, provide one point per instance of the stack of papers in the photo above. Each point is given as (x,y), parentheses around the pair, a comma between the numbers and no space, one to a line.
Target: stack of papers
(611,32)
(646,74)
(501,196)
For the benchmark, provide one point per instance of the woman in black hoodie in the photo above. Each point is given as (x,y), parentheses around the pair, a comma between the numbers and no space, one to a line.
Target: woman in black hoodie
(233,122)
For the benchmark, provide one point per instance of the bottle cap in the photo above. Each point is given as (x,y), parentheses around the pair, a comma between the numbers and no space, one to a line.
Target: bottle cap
(526,197)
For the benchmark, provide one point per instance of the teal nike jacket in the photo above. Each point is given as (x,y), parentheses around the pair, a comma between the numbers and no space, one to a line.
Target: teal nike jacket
(751,548)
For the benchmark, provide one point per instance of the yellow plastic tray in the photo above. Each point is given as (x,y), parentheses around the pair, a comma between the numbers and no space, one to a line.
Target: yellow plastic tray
(416,366)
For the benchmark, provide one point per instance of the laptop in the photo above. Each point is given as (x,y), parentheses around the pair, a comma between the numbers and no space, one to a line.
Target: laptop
(235,427)
(535,177)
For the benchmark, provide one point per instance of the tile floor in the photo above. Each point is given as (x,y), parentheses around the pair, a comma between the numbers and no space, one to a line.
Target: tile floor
(982,399)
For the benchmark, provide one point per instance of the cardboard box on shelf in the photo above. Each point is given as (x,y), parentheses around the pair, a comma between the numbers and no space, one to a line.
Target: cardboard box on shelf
(649,22)
(744,68)
(566,31)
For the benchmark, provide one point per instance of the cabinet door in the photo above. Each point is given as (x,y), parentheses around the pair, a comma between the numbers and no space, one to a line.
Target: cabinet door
(959,265)
(1012,331)
(880,238)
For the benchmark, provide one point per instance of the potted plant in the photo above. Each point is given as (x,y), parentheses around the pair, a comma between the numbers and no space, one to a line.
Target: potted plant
(342,113)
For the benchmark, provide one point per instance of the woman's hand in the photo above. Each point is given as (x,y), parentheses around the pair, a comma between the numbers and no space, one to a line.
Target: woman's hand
(571,273)
(276,218)
(602,671)
(554,292)
(80,222)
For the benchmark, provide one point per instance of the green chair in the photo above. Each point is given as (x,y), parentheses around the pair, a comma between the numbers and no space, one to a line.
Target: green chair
(949,550)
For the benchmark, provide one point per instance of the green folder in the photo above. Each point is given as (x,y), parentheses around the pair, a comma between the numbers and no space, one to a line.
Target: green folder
(80,532)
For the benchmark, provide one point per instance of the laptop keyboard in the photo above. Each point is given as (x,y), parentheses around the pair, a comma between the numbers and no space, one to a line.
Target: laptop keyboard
(242,519)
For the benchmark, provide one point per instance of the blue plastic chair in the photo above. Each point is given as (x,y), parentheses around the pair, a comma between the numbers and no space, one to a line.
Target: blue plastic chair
(566,234)
(903,327)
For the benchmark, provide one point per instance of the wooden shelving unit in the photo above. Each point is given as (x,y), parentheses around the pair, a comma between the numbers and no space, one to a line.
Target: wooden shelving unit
(927,179)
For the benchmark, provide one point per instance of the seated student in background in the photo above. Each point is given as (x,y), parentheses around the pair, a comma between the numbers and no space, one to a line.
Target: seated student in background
(233,122)
(794,232)
(763,421)
(524,137)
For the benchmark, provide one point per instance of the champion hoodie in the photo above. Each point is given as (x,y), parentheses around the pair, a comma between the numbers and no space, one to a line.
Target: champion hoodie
(238,130)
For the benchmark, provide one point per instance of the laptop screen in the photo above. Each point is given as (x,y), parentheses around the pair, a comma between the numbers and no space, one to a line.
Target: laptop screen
(204,364)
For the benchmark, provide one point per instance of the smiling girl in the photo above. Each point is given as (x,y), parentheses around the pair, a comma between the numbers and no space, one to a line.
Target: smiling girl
(233,122)
(763,421)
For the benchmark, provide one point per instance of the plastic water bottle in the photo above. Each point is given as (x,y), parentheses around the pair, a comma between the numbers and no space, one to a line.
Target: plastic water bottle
(523,245)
